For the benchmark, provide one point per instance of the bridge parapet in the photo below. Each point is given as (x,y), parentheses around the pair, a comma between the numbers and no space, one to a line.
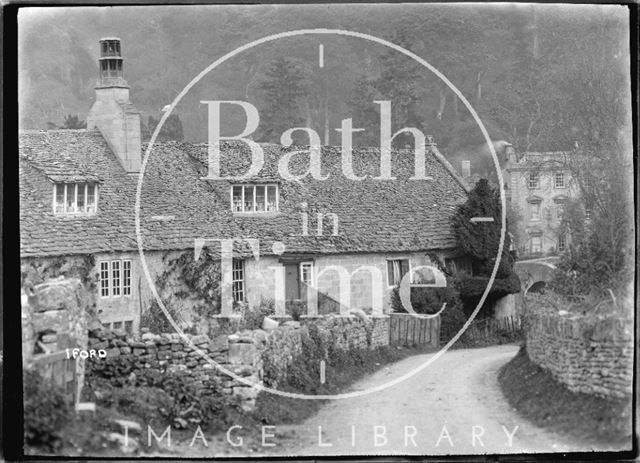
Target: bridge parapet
(534,271)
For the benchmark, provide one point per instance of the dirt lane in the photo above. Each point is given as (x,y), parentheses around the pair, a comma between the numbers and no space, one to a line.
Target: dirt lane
(453,399)
(455,406)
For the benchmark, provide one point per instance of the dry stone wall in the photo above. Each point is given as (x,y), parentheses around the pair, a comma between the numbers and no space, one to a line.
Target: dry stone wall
(590,354)
(241,353)
(54,317)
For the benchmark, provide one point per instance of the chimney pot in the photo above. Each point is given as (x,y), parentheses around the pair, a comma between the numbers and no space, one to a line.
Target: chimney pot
(112,113)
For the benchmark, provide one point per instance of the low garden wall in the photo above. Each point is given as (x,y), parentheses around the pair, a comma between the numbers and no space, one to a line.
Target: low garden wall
(243,353)
(591,354)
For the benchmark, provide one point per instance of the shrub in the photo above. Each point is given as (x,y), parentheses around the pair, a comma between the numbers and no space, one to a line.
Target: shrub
(156,321)
(149,404)
(46,412)
(296,309)
(169,398)
(430,301)
(252,318)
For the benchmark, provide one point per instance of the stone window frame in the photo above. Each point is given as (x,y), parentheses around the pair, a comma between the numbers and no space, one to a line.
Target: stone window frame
(62,208)
(111,279)
(534,180)
(238,286)
(532,205)
(562,184)
(389,261)
(241,207)
(536,237)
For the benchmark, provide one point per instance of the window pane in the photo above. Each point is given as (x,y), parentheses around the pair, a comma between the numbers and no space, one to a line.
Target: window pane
(272,203)
(306,273)
(237,276)
(248,198)
(237,199)
(104,279)
(126,278)
(561,243)
(535,211)
(115,280)
(117,325)
(80,202)
(536,244)
(71,198)
(260,198)
(128,326)
(91,197)
(404,268)
(60,198)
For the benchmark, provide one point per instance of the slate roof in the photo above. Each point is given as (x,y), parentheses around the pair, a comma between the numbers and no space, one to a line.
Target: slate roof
(178,205)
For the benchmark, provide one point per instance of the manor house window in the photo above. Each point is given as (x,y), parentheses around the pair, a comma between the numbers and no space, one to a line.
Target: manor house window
(534,180)
(560,203)
(115,278)
(255,198)
(75,198)
(562,243)
(534,209)
(559,180)
(536,244)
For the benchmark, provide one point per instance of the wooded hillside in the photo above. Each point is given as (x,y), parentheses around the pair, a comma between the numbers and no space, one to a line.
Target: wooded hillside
(531,72)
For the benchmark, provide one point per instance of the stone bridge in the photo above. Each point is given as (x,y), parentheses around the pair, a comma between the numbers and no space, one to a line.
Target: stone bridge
(534,274)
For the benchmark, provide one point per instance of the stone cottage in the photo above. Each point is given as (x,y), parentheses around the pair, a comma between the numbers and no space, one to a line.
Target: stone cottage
(78,198)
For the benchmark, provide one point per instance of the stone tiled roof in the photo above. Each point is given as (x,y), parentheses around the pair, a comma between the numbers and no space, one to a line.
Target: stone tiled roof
(542,160)
(59,166)
(178,205)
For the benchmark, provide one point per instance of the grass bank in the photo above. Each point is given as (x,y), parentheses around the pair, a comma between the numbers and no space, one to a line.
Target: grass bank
(341,372)
(544,401)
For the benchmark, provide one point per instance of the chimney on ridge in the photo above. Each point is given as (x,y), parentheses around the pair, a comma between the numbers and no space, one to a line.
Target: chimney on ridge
(112,113)
(466,169)
(510,154)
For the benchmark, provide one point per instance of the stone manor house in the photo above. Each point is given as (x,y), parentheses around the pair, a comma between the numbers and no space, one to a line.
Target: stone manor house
(537,187)
(78,196)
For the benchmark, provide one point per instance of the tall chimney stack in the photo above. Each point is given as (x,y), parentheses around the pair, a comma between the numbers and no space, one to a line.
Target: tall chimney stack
(510,154)
(112,113)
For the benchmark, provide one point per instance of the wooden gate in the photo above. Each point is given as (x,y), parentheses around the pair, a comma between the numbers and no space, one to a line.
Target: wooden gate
(60,370)
(407,330)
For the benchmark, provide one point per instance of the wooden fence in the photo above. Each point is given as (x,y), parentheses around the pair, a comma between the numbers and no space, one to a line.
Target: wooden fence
(408,330)
(488,328)
(60,370)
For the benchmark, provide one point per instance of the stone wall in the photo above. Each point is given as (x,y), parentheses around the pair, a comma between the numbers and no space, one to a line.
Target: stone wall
(362,287)
(241,353)
(590,354)
(54,317)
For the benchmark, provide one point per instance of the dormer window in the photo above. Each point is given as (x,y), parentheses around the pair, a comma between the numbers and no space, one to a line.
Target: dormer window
(75,198)
(255,198)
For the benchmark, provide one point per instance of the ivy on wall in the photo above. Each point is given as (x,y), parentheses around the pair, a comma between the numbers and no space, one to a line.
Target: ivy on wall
(39,269)
(185,285)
